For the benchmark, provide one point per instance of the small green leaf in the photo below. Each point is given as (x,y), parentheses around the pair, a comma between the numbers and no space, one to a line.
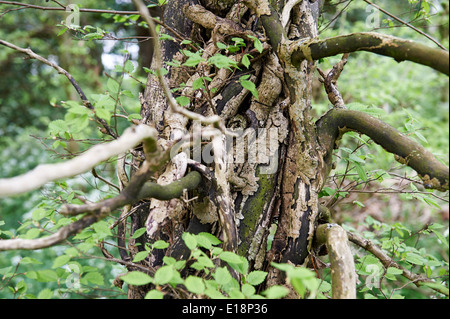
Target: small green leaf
(249,85)
(154,294)
(136,278)
(183,100)
(190,241)
(160,244)
(163,275)
(113,86)
(256,277)
(129,67)
(61,261)
(139,232)
(275,292)
(195,285)
(222,276)
(230,257)
(245,60)
(248,290)
(94,277)
(45,294)
(140,256)
(29,260)
(221,61)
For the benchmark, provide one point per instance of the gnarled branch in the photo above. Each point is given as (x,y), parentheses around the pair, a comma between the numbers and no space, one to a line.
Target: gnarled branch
(338,121)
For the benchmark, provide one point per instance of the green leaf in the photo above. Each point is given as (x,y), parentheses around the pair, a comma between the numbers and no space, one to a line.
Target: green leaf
(361,172)
(394,271)
(221,61)
(103,114)
(61,261)
(190,241)
(45,294)
(113,86)
(154,294)
(195,285)
(160,244)
(29,260)
(139,232)
(211,238)
(245,60)
(230,257)
(275,292)
(58,126)
(257,43)
(140,256)
(94,277)
(183,100)
(249,85)
(46,275)
(163,275)
(441,238)
(256,277)
(193,60)
(222,276)
(415,258)
(129,67)
(248,290)
(136,278)
(31,233)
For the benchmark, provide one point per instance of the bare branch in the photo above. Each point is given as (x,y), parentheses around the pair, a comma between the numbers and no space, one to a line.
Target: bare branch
(330,81)
(83,163)
(406,23)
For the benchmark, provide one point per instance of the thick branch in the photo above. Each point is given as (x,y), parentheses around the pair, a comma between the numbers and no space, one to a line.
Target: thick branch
(148,190)
(343,275)
(338,121)
(399,49)
(83,163)
(60,70)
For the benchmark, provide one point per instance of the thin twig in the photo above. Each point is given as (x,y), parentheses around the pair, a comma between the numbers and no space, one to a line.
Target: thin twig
(84,99)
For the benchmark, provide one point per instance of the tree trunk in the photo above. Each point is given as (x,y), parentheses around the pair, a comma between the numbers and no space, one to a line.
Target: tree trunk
(278,179)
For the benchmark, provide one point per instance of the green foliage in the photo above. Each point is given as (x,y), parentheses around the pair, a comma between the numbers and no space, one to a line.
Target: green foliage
(401,244)
(212,272)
